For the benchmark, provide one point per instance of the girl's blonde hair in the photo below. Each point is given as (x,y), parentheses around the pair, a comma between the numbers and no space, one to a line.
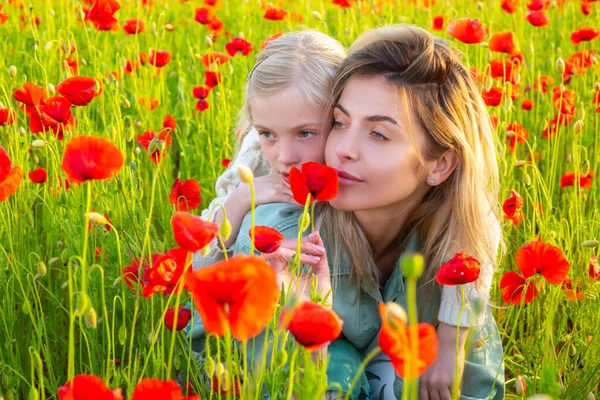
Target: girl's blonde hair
(461,212)
(307,61)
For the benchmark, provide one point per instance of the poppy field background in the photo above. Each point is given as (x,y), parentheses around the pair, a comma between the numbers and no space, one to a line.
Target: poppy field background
(171,113)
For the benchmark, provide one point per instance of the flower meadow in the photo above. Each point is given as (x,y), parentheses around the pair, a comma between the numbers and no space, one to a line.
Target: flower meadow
(116,118)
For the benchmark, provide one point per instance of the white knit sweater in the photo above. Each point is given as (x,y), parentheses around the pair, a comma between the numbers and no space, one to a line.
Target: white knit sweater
(251,155)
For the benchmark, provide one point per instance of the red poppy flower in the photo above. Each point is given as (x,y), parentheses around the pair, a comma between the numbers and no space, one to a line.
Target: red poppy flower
(39,175)
(459,270)
(10,177)
(573,292)
(504,42)
(182,319)
(564,100)
(149,102)
(510,6)
(275,14)
(54,114)
(151,389)
(202,105)
(520,135)
(512,208)
(594,270)
(320,181)
(311,324)
(3,16)
(467,30)
(537,257)
(437,23)
(217,27)
(238,44)
(581,60)
(169,122)
(505,69)
(225,162)
(201,92)
(535,5)
(155,145)
(542,83)
(160,58)
(102,15)
(395,341)
(586,8)
(343,3)
(569,178)
(527,104)
(137,274)
(165,273)
(211,79)
(131,66)
(31,95)
(185,195)
(144,59)
(492,97)
(7,116)
(537,18)
(134,26)
(204,15)
(516,289)
(192,232)
(214,57)
(270,39)
(584,34)
(88,387)
(266,239)
(91,158)
(240,293)
(79,90)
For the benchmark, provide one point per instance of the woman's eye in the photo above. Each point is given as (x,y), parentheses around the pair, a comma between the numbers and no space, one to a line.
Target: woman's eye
(306,134)
(335,124)
(378,136)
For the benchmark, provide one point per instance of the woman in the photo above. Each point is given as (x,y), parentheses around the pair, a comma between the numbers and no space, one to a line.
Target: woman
(412,142)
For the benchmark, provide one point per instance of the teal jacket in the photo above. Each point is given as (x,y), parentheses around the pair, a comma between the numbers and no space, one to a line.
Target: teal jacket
(483,376)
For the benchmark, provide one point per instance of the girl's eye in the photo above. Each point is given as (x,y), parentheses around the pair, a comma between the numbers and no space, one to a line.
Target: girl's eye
(306,134)
(378,136)
(267,135)
(335,124)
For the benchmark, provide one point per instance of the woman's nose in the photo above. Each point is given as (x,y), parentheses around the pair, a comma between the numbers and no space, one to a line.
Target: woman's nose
(345,148)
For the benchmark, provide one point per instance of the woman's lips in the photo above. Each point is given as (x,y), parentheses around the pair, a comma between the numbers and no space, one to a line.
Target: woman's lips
(346,178)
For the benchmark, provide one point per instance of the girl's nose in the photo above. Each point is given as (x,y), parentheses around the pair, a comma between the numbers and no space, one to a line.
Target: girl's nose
(287,154)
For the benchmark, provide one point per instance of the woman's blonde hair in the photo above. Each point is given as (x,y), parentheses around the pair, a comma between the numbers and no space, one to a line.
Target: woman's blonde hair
(458,214)
(307,61)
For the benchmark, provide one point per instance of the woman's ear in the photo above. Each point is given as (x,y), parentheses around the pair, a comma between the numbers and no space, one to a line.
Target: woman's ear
(443,168)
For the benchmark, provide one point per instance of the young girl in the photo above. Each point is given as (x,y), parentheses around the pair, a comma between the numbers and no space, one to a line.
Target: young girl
(412,143)
(282,125)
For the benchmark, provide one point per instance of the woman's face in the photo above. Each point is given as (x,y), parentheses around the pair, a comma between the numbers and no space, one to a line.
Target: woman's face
(291,130)
(370,146)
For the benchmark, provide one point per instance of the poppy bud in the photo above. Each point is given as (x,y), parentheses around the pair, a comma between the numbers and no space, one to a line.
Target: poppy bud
(169,26)
(590,244)
(412,264)
(395,315)
(34,394)
(152,337)
(480,5)
(83,304)
(209,366)
(208,41)
(38,143)
(80,15)
(591,396)
(41,267)
(22,131)
(65,285)
(597,86)
(220,369)
(569,158)
(117,281)
(59,244)
(51,89)
(489,82)
(552,234)
(97,219)
(126,103)
(205,250)
(520,386)
(578,127)
(245,174)
(316,15)
(527,180)
(48,46)
(304,222)
(26,307)
(560,65)
(517,79)
(520,163)
(91,318)
(122,336)
(510,134)
(156,145)
(225,229)
(12,71)
(281,358)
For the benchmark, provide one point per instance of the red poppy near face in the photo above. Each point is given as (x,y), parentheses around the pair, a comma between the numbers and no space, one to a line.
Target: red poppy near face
(192,232)
(205,15)
(31,95)
(318,180)
(211,79)
(238,44)
(467,30)
(512,207)
(169,122)
(91,158)
(240,294)
(504,42)
(10,177)
(537,18)
(79,90)
(516,289)
(311,324)
(182,319)
(275,14)
(134,26)
(39,175)
(492,97)
(537,257)
(569,178)
(437,23)
(185,195)
(520,135)
(7,116)
(395,341)
(153,143)
(155,389)
(266,239)
(459,270)
(88,387)
(160,58)
(214,57)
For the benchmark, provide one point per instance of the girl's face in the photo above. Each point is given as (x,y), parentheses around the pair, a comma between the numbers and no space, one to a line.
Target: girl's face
(370,146)
(291,130)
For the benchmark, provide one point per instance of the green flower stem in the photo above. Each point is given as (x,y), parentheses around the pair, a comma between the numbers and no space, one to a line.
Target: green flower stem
(296,263)
(411,385)
(360,370)
(456,383)
(252,207)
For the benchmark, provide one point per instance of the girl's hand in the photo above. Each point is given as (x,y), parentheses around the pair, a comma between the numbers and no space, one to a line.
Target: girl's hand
(270,188)
(437,381)
(312,252)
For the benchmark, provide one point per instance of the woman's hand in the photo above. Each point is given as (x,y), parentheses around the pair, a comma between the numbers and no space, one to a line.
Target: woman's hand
(312,252)
(437,381)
